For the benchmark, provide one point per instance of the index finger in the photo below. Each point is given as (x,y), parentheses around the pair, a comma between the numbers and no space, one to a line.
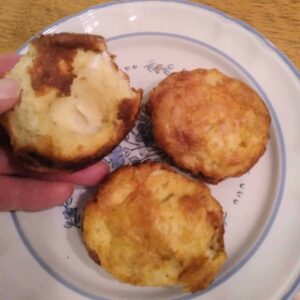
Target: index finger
(89,176)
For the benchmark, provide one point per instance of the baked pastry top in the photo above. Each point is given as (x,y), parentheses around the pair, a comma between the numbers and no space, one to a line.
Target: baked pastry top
(208,123)
(151,226)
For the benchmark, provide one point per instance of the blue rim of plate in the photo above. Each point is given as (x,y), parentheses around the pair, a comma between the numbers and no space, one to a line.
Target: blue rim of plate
(282,56)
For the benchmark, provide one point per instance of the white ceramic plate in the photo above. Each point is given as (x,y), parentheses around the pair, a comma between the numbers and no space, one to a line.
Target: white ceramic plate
(42,255)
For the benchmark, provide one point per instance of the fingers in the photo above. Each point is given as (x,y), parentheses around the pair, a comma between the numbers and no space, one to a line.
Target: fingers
(7,61)
(9,93)
(8,165)
(31,195)
(9,88)
(89,176)
(17,193)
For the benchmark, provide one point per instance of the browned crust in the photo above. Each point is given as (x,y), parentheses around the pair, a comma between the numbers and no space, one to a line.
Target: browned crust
(216,180)
(151,165)
(32,160)
(72,41)
(53,64)
(94,256)
(185,139)
(200,175)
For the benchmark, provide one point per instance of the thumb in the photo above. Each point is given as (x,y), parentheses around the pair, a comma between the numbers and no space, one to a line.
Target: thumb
(9,93)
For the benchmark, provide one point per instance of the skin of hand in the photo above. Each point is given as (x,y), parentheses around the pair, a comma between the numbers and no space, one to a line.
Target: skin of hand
(22,189)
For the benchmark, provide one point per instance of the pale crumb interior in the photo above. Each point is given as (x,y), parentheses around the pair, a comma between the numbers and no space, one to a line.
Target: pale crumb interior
(88,117)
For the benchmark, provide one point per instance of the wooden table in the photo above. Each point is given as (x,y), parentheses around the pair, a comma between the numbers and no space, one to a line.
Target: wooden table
(278,20)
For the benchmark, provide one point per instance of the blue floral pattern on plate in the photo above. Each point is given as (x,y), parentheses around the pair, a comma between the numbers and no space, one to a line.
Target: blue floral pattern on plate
(138,145)
(71,215)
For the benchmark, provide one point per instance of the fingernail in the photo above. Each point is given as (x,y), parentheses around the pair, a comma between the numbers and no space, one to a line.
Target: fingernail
(9,88)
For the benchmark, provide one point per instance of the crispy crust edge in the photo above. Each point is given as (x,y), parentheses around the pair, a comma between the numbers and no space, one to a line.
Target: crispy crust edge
(33,160)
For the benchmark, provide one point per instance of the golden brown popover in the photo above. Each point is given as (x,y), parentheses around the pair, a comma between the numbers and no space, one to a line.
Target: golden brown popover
(208,123)
(76,104)
(151,226)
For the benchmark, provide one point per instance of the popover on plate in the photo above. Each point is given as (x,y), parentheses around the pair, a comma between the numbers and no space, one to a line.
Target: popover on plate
(151,226)
(75,105)
(208,123)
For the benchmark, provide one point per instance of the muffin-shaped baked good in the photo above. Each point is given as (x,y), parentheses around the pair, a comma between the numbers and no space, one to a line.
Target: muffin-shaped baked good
(76,104)
(208,123)
(151,226)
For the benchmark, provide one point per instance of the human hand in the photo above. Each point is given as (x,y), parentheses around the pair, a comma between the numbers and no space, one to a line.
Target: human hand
(22,189)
